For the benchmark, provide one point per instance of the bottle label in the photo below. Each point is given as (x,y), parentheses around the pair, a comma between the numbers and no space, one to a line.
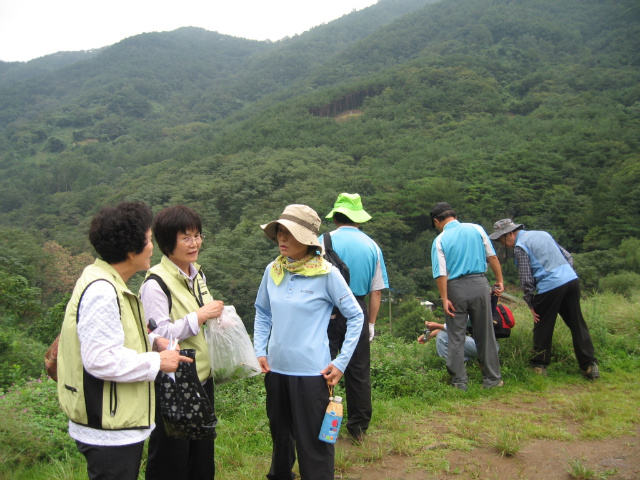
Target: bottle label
(330,427)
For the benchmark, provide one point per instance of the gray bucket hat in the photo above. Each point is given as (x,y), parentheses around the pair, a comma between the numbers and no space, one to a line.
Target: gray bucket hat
(301,220)
(504,226)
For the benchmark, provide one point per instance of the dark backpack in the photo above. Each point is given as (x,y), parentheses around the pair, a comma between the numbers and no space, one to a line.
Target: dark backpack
(503,320)
(332,257)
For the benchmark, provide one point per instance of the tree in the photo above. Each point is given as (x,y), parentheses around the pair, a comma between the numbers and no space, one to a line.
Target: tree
(61,271)
(55,145)
(19,303)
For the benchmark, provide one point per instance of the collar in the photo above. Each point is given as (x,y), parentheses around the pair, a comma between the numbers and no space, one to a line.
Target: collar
(113,272)
(452,224)
(194,268)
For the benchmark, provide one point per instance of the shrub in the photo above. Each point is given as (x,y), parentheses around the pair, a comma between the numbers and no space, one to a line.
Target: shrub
(47,328)
(20,357)
(32,426)
(624,283)
(406,369)
(629,251)
(408,319)
(592,266)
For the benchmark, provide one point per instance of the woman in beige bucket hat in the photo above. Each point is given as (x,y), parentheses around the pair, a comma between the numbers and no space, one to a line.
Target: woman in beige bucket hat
(296,296)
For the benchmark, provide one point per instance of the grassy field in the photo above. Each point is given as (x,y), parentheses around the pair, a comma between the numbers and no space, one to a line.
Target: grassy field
(418,417)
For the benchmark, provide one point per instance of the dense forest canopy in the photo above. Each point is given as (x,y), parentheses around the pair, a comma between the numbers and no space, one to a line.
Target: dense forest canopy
(504,108)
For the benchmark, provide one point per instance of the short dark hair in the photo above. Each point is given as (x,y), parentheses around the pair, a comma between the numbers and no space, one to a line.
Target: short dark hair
(446,214)
(117,231)
(171,221)
(341,218)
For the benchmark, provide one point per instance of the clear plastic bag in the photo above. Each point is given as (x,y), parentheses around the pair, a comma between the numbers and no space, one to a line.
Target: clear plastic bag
(230,349)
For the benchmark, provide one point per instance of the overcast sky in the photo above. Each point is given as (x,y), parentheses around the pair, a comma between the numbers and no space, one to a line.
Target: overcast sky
(34,28)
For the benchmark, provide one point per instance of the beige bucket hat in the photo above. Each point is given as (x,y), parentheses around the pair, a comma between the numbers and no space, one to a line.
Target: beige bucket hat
(301,220)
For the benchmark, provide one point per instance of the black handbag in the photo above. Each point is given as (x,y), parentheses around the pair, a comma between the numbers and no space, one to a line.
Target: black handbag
(186,410)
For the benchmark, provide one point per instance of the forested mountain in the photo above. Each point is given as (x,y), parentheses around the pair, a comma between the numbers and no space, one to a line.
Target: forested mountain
(520,108)
(13,72)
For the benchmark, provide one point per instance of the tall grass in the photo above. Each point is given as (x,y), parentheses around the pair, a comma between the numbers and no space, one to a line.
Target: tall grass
(416,413)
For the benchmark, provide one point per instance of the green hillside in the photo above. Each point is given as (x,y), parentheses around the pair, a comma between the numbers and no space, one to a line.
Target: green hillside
(528,109)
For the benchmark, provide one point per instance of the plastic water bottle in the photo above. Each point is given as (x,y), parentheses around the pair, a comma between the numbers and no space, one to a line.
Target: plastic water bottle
(332,421)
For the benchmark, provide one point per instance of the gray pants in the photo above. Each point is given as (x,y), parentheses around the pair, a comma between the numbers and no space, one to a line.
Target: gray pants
(442,346)
(470,296)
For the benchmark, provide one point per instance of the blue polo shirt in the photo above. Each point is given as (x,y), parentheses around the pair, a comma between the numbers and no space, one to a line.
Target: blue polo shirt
(461,249)
(363,256)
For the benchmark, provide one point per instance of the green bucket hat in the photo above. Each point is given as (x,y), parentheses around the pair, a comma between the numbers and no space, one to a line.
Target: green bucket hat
(350,204)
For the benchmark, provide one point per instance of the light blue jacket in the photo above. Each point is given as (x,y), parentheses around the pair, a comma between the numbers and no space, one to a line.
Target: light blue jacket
(292,318)
(549,267)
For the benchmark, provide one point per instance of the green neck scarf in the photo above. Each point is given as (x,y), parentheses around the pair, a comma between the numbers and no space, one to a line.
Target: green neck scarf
(308,266)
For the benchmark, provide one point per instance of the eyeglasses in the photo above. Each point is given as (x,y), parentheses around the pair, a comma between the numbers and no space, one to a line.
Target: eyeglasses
(186,240)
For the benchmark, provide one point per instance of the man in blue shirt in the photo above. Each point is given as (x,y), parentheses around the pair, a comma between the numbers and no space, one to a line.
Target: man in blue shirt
(547,268)
(459,257)
(368,277)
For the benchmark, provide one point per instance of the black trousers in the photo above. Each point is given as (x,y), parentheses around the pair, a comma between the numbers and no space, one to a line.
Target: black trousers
(296,408)
(177,459)
(563,300)
(110,463)
(357,377)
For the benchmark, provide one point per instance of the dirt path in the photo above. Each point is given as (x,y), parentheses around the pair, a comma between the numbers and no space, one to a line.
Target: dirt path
(619,458)
(537,459)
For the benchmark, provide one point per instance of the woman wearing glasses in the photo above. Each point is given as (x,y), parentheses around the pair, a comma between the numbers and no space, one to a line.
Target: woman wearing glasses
(176,304)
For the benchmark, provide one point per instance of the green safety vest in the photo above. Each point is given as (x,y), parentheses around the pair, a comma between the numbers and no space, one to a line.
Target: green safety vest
(88,400)
(184,300)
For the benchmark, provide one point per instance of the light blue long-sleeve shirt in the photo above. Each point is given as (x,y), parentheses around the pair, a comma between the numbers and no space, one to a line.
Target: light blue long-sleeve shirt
(291,322)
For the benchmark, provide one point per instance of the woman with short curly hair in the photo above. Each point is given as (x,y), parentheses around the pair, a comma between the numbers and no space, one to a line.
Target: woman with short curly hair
(106,366)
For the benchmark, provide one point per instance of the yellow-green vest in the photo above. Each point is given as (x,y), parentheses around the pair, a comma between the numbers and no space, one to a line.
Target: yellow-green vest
(185,300)
(88,400)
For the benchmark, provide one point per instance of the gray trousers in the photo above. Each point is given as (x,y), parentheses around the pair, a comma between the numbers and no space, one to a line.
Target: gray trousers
(470,296)
(442,346)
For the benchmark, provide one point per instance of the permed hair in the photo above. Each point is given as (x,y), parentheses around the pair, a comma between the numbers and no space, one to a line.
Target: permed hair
(171,221)
(117,231)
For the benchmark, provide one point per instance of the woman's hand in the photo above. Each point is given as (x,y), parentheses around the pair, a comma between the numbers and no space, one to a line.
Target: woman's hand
(161,344)
(210,310)
(264,364)
(332,375)
(170,359)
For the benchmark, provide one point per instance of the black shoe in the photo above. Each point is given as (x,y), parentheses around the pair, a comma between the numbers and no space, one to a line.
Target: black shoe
(592,372)
(357,439)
